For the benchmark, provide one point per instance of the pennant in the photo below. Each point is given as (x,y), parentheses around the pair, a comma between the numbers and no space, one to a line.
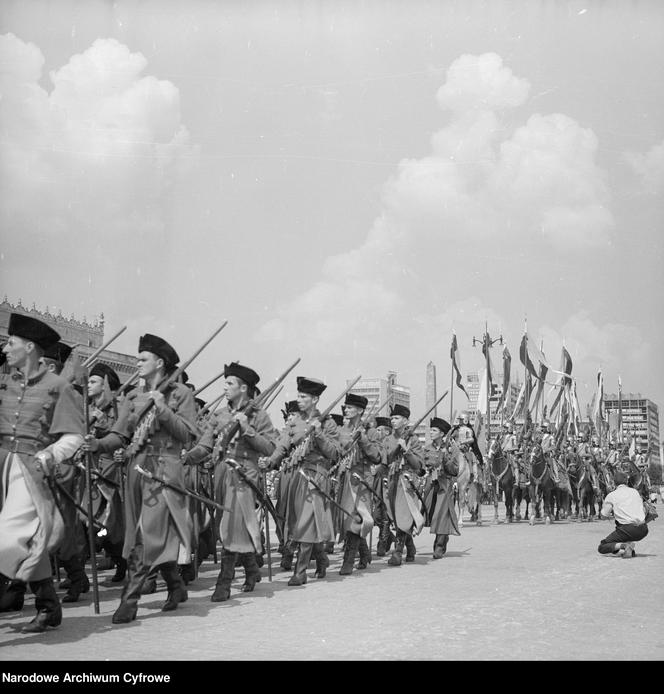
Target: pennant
(598,408)
(531,357)
(563,381)
(456,364)
(482,394)
(507,365)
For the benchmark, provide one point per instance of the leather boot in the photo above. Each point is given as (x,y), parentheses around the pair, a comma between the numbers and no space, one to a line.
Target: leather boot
(137,574)
(78,580)
(177,593)
(222,590)
(187,573)
(49,612)
(120,569)
(329,547)
(322,561)
(365,554)
(350,550)
(13,597)
(440,546)
(397,555)
(287,555)
(299,577)
(252,572)
(410,548)
(150,585)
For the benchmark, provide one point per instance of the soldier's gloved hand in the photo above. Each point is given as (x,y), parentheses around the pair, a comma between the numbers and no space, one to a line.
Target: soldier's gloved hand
(316,425)
(158,399)
(90,444)
(46,462)
(119,455)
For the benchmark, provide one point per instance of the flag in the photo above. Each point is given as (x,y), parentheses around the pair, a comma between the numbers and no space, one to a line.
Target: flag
(507,365)
(456,365)
(482,394)
(598,409)
(488,362)
(519,402)
(531,357)
(564,381)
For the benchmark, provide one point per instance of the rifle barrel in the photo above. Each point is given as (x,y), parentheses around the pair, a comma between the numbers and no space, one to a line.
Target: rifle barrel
(95,354)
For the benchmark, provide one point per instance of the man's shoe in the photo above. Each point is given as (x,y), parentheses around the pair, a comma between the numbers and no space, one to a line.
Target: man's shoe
(125,613)
(410,558)
(297,580)
(43,620)
(628,550)
(322,564)
(221,594)
(175,597)
(12,601)
(395,559)
(120,571)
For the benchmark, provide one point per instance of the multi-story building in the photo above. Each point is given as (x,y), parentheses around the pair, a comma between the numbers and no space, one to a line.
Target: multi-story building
(382,390)
(640,419)
(84,338)
(472,386)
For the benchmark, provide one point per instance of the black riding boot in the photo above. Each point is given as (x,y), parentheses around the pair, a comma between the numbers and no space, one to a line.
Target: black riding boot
(440,546)
(137,573)
(222,590)
(365,554)
(287,556)
(322,561)
(397,555)
(49,612)
(13,596)
(177,593)
(329,547)
(385,540)
(150,585)
(410,548)
(78,580)
(252,572)
(350,550)
(299,577)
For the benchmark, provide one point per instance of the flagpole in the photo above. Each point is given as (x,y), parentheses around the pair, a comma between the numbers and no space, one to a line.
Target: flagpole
(526,382)
(620,422)
(452,388)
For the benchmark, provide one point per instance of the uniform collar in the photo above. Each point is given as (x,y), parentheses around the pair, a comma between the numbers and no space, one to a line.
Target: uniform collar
(19,376)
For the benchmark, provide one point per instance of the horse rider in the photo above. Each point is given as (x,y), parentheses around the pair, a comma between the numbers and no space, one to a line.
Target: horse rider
(510,446)
(548,444)
(465,437)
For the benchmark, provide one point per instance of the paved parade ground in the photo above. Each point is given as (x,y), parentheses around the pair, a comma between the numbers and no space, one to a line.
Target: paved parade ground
(502,592)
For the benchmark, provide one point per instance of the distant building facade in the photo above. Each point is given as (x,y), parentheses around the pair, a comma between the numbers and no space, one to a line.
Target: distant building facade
(84,338)
(640,418)
(380,390)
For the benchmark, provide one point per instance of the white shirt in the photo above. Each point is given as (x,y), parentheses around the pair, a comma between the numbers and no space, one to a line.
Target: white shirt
(627,505)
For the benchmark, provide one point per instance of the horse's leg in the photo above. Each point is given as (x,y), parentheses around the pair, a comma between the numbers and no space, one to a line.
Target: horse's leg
(517,500)
(479,504)
(547,501)
(509,502)
(533,496)
(496,496)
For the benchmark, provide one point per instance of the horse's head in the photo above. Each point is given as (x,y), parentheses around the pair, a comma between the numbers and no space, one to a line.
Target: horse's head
(495,449)
(536,453)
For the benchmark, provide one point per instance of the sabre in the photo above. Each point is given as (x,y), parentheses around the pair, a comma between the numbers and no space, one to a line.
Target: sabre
(356,517)
(180,490)
(98,475)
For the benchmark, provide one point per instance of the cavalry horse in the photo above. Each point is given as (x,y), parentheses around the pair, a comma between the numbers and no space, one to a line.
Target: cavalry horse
(502,478)
(639,478)
(540,480)
(587,489)
(468,486)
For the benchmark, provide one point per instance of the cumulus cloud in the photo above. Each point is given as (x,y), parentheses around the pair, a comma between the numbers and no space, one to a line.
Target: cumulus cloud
(483,188)
(89,161)
(649,167)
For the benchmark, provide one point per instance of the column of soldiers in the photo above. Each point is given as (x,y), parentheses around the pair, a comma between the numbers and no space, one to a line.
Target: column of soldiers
(154,448)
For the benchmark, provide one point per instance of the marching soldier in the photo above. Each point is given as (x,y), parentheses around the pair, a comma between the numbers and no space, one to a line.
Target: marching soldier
(157,425)
(439,498)
(355,482)
(405,458)
(41,425)
(381,518)
(236,437)
(103,383)
(286,546)
(308,519)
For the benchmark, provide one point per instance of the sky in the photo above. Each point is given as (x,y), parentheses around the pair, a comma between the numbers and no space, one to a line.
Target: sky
(344,182)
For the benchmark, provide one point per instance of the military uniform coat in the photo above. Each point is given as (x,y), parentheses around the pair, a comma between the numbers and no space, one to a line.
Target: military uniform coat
(238,529)
(439,494)
(307,512)
(156,517)
(403,504)
(34,413)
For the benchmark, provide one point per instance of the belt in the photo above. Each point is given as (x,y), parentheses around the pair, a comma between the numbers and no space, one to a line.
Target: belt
(16,445)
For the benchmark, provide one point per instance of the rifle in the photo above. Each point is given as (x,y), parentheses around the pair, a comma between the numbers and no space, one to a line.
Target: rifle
(134,377)
(301,449)
(209,383)
(183,491)
(95,354)
(272,399)
(210,407)
(87,457)
(138,441)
